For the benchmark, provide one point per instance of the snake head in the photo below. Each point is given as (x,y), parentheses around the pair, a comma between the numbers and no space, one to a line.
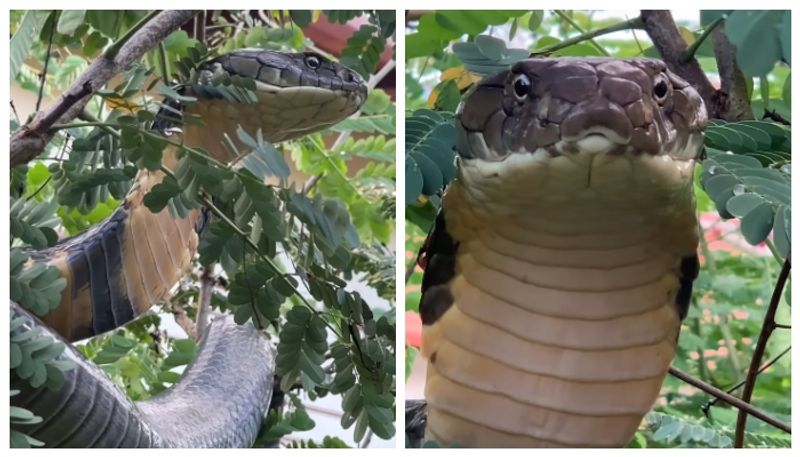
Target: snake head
(296,93)
(582,105)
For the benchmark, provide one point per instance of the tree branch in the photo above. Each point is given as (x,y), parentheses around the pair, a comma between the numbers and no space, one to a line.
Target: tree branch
(663,32)
(31,139)
(635,23)
(736,386)
(744,407)
(732,101)
(761,346)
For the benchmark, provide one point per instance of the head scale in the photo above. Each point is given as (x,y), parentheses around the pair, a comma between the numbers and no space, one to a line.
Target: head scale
(571,105)
(296,94)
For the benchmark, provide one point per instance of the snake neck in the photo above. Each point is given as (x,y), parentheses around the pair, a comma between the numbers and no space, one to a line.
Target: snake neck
(564,299)
(592,194)
(107,285)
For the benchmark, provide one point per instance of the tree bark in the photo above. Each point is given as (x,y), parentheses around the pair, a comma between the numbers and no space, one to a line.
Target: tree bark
(29,141)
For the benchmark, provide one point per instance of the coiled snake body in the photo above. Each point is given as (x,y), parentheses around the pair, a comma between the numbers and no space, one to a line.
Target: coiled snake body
(561,265)
(118,269)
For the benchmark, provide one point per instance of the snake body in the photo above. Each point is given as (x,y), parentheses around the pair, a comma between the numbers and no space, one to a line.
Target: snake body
(119,268)
(561,264)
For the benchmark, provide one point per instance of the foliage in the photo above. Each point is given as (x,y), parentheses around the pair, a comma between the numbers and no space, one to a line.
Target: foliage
(745,175)
(284,251)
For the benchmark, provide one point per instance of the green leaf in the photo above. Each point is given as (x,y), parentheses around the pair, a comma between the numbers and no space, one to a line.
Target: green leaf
(363,50)
(37,287)
(709,16)
(23,38)
(755,35)
(757,223)
(740,186)
(69,20)
(430,138)
(301,357)
(535,20)
(787,89)
(785,31)
(263,160)
(488,55)
(300,17)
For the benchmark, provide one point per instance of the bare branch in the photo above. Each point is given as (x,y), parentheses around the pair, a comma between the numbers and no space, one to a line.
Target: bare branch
(736,386)
(635,23)
(31,139)
(761,346)
(744,407)
(664,34)
(732,100)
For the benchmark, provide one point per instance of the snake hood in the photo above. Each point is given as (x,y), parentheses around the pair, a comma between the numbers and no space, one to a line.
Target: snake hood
(561,264)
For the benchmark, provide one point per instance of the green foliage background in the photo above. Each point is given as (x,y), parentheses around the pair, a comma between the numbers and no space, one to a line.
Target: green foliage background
(447,51)
(331,341)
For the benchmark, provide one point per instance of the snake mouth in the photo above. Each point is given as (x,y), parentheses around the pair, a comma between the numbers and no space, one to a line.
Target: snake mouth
(598,142)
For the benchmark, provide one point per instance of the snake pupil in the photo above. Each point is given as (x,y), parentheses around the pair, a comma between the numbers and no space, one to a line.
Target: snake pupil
(661,89)
(312,62)
(522,86)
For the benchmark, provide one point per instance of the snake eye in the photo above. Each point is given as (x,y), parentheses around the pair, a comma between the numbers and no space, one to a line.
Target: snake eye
(522,86)
(313,62)
(660,90)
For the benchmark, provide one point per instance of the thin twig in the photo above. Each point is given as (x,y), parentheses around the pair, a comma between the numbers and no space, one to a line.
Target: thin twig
(761,346)
(204,307)
(367,439)
(588,38)
(162,60)
(410,269)
(689,53)
(43,76)
(111,52)
(311,183)
(200,27)
(736,386)
(744,407)
(14,111)
(630,24)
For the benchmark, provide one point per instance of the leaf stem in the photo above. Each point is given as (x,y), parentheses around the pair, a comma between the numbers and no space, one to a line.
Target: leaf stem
(689,53)
(112,51)
(43,77)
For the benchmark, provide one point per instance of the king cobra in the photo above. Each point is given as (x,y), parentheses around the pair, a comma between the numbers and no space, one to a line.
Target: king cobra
(119,268)
(560,266)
